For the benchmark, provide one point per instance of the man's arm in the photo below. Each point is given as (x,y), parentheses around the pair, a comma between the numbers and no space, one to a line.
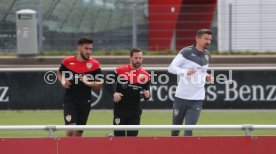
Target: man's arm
(92,84)
(117,96)
(65,83)
(209,78)
(97,83)
(174,67)
(146,91)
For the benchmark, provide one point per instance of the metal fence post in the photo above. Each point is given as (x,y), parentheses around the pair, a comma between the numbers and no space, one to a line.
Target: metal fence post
(247,129)
(230,28)
(134,27)
(51,131)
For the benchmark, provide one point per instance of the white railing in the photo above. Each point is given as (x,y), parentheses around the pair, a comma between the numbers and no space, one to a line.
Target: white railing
(45,69)
(247,128)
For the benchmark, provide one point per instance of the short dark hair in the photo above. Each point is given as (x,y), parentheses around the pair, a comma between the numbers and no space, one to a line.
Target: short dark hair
(200,32)
(135,50)
(85,40)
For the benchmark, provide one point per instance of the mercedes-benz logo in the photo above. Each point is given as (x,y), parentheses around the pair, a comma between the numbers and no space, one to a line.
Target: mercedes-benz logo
(96,95)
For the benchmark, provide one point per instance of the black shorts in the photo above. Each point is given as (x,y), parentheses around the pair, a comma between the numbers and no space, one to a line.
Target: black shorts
(76,111)
(126,120)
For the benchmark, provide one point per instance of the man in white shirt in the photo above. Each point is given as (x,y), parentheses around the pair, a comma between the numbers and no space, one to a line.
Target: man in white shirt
(191,66)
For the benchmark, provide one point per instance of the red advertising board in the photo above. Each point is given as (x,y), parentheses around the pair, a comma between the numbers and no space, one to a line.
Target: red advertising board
(265,145)
(28,146)
(140,145)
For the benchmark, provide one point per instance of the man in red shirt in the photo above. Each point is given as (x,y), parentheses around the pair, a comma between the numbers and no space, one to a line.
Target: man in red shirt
(131,80)
(77,75)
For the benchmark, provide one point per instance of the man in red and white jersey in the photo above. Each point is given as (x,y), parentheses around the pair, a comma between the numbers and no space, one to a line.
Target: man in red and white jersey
(131,81)
(78,74)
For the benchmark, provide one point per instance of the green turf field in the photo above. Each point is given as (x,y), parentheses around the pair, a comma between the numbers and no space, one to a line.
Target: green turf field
(149,117)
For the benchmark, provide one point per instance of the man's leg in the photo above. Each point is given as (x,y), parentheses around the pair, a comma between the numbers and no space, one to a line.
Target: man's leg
(192,114)
(118,120)
(83,111)
(69,115)
(178,114)
(134,120)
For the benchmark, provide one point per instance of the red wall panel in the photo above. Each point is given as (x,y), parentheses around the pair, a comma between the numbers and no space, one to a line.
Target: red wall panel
(226,145)
(159,145)
(183,16)
(265,145)
(28,146)
(140,145)
(163,15)
(195,14)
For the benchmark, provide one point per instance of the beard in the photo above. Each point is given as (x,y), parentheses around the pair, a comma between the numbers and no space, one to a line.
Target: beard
(206,45)
(136,65)
(85,56)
